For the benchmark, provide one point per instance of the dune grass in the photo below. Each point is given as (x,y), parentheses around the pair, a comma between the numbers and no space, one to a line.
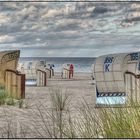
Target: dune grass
(3,96)
(62,120)
(7,100)
(122,122)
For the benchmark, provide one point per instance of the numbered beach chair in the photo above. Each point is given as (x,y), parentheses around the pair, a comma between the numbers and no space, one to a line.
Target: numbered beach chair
(117,78)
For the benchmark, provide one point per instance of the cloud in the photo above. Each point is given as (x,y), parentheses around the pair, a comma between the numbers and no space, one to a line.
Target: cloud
(133,16)
(6,38)
(52,13)
(76,28)
(4,18)
(135,6)
(8,6)
(61,10)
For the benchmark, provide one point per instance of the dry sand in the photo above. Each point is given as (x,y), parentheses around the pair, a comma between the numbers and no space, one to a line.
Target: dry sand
(78,87)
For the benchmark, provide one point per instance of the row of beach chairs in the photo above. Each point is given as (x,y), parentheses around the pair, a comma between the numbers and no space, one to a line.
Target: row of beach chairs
(37,71)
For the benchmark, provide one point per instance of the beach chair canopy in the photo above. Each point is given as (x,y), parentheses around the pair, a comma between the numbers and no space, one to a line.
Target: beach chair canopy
(8,60)
(31,65)
(67,66)
(49,66)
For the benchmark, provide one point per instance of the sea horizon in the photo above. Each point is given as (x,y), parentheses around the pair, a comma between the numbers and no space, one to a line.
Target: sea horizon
(82,64)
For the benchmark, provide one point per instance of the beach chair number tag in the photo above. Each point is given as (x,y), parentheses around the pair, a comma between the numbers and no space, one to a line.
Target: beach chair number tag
(10,56)
(134,56)
(106,67)
(107,63)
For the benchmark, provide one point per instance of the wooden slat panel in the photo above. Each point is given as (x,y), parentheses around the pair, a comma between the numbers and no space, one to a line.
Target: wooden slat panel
(41,78)
(15,84)
(37,78)
(127,80)
(132,86)
(19,90)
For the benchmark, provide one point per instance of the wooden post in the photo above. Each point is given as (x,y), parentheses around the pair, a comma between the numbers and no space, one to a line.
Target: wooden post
(23,86)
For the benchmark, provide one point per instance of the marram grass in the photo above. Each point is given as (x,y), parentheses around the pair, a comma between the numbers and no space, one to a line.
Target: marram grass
(88,122)
(62,120)
(121,122)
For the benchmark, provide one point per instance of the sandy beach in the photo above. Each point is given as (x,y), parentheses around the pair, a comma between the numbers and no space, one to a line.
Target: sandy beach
(79,87)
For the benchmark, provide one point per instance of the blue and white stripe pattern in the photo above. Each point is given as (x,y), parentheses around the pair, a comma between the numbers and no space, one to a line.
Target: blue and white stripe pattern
(111,94)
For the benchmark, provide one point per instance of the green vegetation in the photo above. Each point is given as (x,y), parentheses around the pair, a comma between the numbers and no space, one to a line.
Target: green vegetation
(3,96)
(5,99)
(10,101)
(21,103)
(121,122)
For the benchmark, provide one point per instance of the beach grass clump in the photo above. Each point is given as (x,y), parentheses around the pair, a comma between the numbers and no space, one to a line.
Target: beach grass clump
(53,118)
(3,96)
(10,101)
(21,103)
(86,124)
(122,122)
(60,100)
(61,120)
(5,99)
(111,122)
(60,105)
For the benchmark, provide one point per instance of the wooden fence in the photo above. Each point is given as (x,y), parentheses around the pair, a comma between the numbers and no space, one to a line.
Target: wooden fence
(15,84)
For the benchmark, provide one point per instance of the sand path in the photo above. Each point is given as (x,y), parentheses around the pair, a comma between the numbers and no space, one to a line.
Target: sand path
(78,87)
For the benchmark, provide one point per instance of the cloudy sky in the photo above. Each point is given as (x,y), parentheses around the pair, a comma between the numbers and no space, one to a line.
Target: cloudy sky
(70,29)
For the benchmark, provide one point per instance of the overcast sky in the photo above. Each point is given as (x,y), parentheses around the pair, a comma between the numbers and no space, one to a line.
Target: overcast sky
(70,29)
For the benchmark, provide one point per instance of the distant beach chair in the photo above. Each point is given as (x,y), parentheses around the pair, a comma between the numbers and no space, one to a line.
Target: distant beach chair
(36,75)
(50,70)
(67,71)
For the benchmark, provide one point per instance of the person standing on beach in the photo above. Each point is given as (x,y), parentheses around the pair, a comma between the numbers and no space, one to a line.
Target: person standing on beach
(71,70)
